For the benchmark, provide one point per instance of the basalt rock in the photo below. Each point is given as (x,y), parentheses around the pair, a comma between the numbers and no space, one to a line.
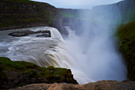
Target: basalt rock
(45,33)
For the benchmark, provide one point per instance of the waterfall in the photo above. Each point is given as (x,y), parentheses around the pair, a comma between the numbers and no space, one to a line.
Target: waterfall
(91,55)
(45,51)
(94,48)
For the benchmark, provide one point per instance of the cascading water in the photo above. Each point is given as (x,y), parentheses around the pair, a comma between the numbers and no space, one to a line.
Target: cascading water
(91,55)
(44,52)
(94,48)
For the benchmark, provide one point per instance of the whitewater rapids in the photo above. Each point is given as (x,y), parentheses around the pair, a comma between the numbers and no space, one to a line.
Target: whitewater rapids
(43,51)
(65,53)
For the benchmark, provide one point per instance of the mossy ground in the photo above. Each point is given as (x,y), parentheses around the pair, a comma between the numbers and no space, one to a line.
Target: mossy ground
(126,34)
(17,73)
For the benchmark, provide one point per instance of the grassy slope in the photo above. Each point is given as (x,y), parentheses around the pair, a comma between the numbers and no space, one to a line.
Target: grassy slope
(126,34)
(16,73)
(25,13)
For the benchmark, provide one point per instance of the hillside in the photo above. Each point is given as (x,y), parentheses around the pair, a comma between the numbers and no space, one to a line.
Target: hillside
(18,73)
(25,13)
(126,35)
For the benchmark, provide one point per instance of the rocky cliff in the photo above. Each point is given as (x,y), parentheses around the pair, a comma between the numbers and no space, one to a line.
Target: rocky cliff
(25,13)
(126,35)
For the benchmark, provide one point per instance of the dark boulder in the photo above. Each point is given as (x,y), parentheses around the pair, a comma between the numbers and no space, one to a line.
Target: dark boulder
(45,33)
(21,33)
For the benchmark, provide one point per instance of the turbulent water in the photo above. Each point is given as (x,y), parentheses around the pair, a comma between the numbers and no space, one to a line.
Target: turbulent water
(91,55)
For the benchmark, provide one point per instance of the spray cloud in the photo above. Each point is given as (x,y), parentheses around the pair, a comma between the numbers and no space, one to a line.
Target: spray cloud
(95,44)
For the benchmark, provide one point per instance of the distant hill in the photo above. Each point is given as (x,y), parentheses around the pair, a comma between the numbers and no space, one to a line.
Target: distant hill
(26,13)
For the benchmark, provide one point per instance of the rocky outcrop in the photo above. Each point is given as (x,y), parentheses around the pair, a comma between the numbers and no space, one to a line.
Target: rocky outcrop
(18,73)
(100,85)
(45,33)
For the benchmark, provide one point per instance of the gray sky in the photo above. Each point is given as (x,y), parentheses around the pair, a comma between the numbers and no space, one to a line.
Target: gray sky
(77,3)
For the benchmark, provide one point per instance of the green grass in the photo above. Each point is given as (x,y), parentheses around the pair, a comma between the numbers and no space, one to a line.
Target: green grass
(7,64)
(126,34)
(29,72)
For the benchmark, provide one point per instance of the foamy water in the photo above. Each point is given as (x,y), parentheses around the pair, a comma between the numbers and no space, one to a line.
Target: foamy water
(91,55)
(57,52)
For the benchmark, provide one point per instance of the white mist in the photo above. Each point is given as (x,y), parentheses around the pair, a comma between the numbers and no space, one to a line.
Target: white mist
(94,49)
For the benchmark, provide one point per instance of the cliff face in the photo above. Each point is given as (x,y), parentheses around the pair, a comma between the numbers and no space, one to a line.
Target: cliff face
(127,10)
(126,35)
(14,13)
(20,14)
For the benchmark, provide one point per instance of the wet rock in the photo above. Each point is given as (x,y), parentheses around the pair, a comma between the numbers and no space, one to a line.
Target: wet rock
(45,33)
(21,33)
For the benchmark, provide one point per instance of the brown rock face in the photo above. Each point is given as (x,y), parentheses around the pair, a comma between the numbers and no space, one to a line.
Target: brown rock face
(100,85)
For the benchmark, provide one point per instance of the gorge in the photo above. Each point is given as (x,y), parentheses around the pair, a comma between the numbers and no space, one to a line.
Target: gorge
(90,49)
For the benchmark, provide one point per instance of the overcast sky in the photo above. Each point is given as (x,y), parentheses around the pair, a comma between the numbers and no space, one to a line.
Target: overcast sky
(77,3)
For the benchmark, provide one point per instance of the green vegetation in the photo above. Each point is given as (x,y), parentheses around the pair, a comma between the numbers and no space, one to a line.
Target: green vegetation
(126,34)
(7,64)
(17,73)
(17,0)
(26,13)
